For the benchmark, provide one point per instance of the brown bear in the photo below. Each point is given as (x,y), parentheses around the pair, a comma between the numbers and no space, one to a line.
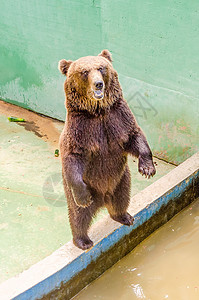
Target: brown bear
(100,131)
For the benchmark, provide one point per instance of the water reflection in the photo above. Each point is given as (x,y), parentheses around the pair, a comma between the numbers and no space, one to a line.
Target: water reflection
(138,291)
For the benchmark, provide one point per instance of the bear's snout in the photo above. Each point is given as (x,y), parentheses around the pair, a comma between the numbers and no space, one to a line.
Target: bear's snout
(99,85)
(99,89)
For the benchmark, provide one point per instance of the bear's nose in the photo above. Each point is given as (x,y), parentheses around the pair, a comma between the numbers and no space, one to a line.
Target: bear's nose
(99,85)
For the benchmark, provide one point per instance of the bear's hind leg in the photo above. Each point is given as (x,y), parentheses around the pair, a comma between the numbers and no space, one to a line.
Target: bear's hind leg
(118,203)
(80,219)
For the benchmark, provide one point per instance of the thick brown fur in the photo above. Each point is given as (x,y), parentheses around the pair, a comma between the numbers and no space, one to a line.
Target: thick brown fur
(100,131)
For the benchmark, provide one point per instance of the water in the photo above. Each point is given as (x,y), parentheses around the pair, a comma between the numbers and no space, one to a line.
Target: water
(164,266)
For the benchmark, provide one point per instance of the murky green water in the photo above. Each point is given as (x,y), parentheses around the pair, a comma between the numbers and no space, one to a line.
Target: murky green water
(164,266)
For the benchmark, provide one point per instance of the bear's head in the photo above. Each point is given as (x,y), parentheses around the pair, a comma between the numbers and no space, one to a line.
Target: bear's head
(91,83)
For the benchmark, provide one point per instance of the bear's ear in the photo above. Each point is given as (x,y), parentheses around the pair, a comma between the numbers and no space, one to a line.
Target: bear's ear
(64,65)
(106,54)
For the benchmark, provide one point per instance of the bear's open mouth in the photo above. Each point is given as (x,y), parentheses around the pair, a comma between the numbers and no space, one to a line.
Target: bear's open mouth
(98,94)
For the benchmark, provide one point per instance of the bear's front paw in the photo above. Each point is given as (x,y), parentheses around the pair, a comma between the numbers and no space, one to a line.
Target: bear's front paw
(146,167)
(82,195)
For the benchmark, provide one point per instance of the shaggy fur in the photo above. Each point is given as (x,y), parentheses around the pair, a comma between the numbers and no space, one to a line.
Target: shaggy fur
(100,131)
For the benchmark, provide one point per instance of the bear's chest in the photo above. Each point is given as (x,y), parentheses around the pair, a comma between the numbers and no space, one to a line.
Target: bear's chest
(105,154)
(106,136)
(97,135)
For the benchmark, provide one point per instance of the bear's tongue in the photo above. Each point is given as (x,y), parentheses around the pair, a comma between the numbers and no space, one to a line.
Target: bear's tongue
(98,94)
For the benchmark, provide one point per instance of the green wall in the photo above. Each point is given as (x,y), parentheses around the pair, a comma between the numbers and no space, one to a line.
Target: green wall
(155,46)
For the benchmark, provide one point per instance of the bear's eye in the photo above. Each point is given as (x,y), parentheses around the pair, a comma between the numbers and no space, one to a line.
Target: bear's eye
(102,70)
(85,73)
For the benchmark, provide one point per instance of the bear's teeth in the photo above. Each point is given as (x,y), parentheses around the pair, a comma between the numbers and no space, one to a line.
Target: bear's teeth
(98,94)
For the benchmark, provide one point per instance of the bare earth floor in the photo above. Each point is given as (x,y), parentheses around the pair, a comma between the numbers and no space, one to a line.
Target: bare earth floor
(33,210)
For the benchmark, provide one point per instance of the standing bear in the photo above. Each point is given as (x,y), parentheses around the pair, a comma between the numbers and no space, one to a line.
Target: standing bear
(100,131)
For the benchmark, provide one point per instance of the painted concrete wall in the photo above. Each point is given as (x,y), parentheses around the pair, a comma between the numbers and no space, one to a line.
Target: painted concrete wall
(155,47)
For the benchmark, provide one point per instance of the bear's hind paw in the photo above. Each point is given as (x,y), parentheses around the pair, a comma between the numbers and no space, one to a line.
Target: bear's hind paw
(83,243)
(125,219)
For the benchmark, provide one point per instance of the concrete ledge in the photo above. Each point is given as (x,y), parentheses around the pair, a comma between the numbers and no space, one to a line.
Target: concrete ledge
(64,273)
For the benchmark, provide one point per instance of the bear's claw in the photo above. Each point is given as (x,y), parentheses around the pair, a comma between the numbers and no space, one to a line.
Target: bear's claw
(147,171)
(146,168)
